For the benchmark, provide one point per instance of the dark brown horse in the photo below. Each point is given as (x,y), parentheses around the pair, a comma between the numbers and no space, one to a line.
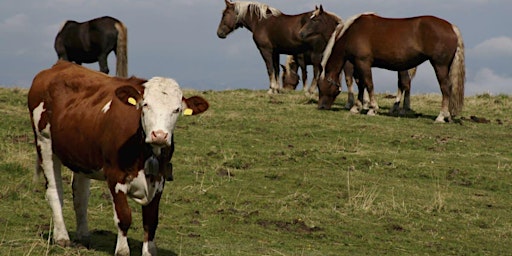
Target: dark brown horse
(323,24)
(274,33)
(368,40)
(92,41)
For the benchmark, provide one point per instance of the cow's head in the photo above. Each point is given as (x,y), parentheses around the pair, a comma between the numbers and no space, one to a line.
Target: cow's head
(162,102)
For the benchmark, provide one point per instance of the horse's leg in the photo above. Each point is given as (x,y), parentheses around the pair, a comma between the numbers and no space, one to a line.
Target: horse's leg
(316,60)
(348,71)
(364,71)
(398,98)
(314,82)
(406,90)
(366,98)
(442,74)
(276,70)
(301,62)
(267,56)
(102,60)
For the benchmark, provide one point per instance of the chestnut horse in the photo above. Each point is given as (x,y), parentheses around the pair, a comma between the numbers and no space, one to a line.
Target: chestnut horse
(92,41)
(274,33)
(368,40)
(324,24)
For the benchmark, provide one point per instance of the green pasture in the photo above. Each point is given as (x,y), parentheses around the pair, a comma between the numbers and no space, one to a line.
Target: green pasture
(272,175)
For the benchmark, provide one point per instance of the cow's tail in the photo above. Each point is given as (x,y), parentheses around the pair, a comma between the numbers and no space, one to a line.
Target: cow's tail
(122,50)
(457,76)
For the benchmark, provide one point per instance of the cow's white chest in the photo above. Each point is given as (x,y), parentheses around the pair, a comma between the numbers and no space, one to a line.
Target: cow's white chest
(141,189)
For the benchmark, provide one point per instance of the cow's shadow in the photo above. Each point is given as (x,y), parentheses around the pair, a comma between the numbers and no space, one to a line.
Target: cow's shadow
(102,240)
(105,241)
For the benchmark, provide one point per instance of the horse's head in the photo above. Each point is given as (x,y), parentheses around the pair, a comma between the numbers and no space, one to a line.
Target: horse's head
(228,23)
(328,90)
(290,78)
(321,23)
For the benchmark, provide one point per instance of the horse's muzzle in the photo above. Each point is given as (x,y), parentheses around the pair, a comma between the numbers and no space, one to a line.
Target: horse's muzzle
(221,34)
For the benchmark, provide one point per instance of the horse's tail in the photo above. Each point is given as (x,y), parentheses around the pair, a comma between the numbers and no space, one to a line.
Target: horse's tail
(457,76)
(121,50)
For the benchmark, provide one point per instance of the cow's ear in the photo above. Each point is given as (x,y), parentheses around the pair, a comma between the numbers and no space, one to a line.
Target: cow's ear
(195,104)
(128,95)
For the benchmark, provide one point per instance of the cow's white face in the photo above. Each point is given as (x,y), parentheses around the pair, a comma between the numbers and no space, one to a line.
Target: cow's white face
(162,103)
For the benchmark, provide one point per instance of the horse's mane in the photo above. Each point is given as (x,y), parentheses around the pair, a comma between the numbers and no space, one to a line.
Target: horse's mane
(259,9)
(334,16)
(338,32)
(289,60)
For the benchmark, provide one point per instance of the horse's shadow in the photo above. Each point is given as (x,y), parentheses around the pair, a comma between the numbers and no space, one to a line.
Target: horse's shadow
(383,111)
(105,241)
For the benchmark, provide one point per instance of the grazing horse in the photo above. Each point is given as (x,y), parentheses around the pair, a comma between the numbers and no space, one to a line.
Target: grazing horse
(273,32)
(324,24)
(290,77)
(92,41)
(368,40)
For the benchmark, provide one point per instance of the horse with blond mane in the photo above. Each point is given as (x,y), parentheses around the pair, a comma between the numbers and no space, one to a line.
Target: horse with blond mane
(274,33)
(367,41)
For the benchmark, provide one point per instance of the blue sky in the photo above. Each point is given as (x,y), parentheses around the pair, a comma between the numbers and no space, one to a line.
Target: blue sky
(177,38)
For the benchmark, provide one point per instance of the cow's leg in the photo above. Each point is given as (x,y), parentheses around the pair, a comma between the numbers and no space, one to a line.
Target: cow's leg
(51,167)
(150,223)
(102,61)
(122,216)
(54,195)
(81,194)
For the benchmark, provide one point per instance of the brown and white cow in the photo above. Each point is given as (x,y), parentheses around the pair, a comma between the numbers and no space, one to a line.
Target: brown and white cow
(106,128)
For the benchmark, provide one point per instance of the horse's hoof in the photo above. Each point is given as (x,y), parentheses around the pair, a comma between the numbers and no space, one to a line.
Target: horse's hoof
(354,110)
(371,112)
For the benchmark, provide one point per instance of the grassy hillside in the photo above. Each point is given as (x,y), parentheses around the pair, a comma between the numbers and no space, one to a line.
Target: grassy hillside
(271,175)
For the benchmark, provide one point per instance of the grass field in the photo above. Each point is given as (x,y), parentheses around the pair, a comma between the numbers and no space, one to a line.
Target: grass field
(271,175)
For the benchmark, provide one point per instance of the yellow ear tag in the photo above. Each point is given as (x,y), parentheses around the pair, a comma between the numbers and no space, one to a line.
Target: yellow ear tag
(188,112)
(132,101)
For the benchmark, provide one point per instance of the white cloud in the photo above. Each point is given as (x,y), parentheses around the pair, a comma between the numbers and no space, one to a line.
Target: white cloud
(493,47)
(487,81)
(13,23)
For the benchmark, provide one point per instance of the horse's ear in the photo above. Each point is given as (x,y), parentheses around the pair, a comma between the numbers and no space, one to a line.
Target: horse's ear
(321,9)
(228,3)
(316,7)
(284,67)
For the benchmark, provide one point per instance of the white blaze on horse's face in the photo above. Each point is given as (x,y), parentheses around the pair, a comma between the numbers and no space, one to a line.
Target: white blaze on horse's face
(162,103)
